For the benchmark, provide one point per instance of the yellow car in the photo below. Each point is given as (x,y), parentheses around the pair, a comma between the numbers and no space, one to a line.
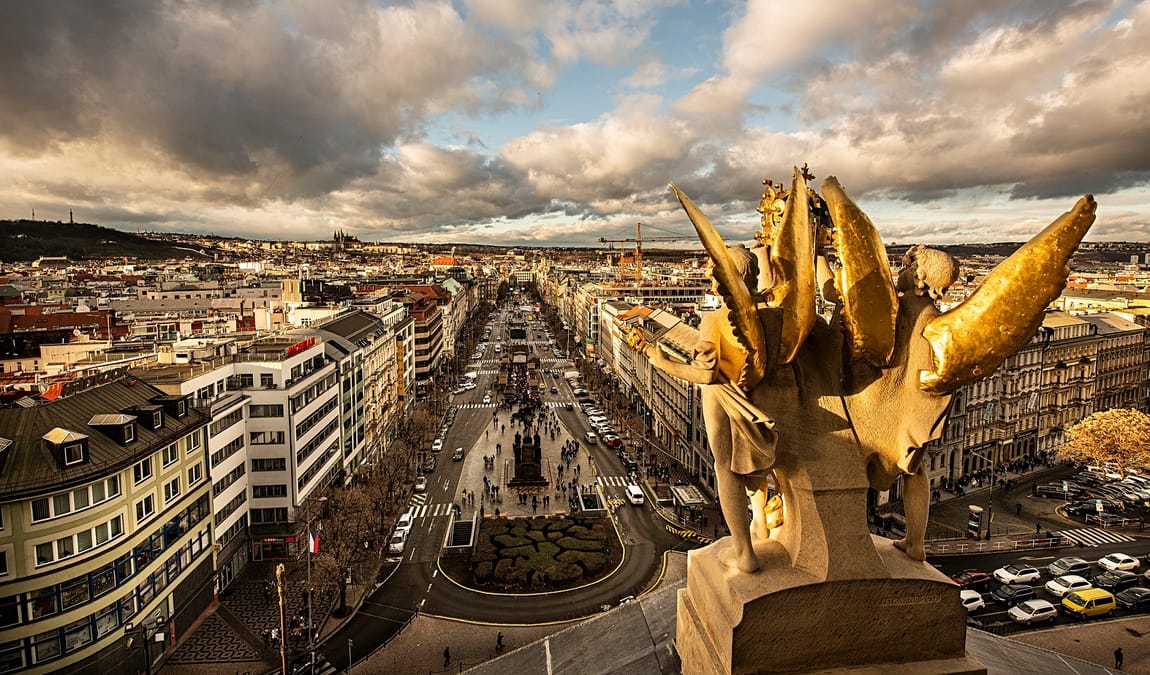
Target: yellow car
(1088,603)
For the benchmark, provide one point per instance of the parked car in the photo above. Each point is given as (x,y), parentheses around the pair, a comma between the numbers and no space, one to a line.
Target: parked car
(1089,603)
(457,455)
(1068,583)
(971,600)
(1119,561)
(396,543)
(437,445)
(429,465)
(1017,574)
(1033,611)
(1069,565)
(406,520)
(971,578)
(1136,598)
(590,438)
(421,484)
(1116,580)
(1012,594)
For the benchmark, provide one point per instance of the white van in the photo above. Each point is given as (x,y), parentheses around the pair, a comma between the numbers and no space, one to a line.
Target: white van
(405,522)
(635,495)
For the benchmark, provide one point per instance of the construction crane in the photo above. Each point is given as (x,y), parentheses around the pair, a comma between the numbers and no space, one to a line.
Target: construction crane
(638,241)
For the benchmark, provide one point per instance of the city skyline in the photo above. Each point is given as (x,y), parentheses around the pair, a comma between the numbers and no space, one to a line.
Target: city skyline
(526,123)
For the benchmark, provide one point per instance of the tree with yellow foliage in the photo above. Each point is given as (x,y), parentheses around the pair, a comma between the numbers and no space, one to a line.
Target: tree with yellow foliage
(1118,437)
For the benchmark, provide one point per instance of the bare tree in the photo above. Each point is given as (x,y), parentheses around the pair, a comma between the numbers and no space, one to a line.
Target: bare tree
(347,532)
(1119,437)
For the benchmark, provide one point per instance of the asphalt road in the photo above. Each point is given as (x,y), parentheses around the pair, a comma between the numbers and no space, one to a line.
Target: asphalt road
(412,584)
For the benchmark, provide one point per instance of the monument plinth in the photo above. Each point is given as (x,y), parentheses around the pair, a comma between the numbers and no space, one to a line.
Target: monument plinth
(787,621)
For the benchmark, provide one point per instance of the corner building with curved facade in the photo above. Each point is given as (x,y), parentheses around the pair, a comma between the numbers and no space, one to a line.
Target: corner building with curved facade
(105,521)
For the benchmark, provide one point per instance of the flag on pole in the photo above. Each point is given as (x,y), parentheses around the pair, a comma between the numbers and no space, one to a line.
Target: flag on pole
(313,541)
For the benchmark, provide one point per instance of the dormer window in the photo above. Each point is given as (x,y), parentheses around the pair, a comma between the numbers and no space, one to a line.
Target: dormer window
(69,448)
(119,427)
(151,416)
(73,454)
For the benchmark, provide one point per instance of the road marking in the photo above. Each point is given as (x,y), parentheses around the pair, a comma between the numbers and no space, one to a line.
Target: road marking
(1036,558)
(434,574)
(428,589)
(547,650)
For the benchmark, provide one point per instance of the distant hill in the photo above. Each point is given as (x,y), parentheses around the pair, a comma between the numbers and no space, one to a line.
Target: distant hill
(31,239)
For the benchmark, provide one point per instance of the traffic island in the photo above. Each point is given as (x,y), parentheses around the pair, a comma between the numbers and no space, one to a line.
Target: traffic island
(530,555)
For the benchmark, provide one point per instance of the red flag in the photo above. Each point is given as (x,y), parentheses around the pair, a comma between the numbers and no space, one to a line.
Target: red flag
(313,541)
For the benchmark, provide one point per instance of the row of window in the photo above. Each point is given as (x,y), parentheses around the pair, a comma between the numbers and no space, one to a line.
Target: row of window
(266,438)
(230,508)
(302,454)
(313,392)
(219,425)
(269,464)
(227,451)
(266,410)
(51,600)
(316,466)
(316,416)
(54,643)
(269,491)
(228,480)
(64,503)
(80,542)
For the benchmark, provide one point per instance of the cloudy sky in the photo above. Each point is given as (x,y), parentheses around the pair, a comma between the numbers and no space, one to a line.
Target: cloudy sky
(560,121)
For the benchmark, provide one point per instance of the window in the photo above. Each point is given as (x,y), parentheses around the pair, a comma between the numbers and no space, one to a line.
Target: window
(195,473)
(266,410)
(171,489)
(73,454)
(269,516)
(171,455)
(266,491)
(269,464)
(44,554)
(3,563)
(129,433)
(145,508)
(193,441)
(266,437)
(267,380)
(142,471)
(247,380)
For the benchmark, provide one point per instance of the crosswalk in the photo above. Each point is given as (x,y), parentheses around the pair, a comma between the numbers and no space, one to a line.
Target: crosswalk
(612,481)
(422,510)
(556,404)
(1093,536)
(472,406)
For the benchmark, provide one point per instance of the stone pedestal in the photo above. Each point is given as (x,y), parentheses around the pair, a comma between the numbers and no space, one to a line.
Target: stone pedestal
(908,620)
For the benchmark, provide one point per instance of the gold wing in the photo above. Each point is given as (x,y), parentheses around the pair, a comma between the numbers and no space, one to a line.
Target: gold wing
(869,302)
(970,341)
(793,260)
(743,307)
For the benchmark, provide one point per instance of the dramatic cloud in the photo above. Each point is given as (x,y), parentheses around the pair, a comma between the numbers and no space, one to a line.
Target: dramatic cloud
(947,121)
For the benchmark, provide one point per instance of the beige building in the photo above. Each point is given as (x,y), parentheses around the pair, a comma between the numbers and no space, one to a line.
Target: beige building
(105,521)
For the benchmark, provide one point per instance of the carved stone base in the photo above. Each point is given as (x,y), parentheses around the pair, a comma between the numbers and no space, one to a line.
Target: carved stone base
(910,621)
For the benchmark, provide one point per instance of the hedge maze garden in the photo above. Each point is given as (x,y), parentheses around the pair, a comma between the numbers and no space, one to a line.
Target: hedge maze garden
(542,554)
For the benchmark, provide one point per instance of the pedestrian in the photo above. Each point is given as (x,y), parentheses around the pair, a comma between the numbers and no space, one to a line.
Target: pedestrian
(1018,509)
(1038,528)
(499,644)
(446,657)
(1118,659)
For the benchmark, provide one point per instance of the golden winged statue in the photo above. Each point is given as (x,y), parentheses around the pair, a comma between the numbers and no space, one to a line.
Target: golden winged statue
(876,379)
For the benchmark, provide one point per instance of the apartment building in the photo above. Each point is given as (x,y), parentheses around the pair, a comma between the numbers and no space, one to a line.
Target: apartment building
(105,520)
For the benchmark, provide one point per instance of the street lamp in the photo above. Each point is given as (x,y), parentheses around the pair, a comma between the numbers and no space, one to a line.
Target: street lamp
(310,590)
(148,633)
(990,495)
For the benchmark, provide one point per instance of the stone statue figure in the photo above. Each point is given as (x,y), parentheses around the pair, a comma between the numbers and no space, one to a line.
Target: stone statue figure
(741,436)
(835,406)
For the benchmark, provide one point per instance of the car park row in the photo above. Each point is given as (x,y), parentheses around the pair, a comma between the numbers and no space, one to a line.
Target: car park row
(1075,593)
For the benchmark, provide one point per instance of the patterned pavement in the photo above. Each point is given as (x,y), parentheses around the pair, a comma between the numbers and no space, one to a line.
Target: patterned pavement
(214,641)
(231,633)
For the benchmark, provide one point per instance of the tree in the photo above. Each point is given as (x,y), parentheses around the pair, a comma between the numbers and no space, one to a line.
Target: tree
(347,524)
(1120,437)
